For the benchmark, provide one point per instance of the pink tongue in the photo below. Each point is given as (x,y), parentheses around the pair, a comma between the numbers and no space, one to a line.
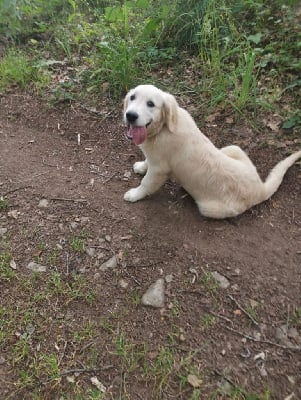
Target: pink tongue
(138,134)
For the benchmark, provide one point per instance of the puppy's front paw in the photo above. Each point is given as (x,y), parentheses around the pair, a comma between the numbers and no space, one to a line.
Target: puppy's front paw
(140,167)
(133,195)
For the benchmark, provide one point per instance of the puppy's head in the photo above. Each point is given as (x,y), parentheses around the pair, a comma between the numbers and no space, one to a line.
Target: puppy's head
(146,110)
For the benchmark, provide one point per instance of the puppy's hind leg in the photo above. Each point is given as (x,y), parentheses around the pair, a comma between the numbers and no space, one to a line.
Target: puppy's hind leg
(218,210)
(140,167)
(236,152)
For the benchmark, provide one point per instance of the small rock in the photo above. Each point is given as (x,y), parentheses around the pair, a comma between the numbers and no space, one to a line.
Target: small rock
(109,264)
(259,356)
(263,372)
(74,225)
(36,267)
(291,379)
(123,284)
(13,264)
(127,175)
(223,281)
(2,360)
(90,251)
(43,203)
(154,296)
(169,278)
(3,231)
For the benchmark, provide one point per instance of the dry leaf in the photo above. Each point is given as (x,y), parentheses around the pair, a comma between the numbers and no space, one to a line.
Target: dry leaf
(37,253)
(98,384)
(237,312)
(273,126)
(229,120)
(13,214)
(194,381)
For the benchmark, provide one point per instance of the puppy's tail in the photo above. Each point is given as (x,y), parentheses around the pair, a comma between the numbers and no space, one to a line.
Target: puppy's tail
(275,177)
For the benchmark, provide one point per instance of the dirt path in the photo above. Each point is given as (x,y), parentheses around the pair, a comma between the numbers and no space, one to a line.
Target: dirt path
(259,252)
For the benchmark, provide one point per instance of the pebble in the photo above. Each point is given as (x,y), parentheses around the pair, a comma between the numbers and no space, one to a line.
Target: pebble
(169,278)
(74,225)
(35,267)
(223,281)
(109,264)
(123,284)
(3,231)
(154,296)
(43,203)
(90,251)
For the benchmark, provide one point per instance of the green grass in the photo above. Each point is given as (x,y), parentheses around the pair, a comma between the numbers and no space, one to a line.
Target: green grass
(7,273)
(18,69)
(4,204)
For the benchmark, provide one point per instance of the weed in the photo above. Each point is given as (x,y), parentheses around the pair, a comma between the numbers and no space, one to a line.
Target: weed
(48,367)
(207,321)
(135,297)
(209,282)
(106,325)
(88,331)
(77,244)
(130,354)
(175,309)
(295,319)
(6,271)
(4,204)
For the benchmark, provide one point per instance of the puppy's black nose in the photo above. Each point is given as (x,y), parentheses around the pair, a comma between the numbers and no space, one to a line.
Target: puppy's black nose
(131,116)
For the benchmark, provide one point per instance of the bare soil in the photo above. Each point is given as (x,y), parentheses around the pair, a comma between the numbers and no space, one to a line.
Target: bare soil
(230,333)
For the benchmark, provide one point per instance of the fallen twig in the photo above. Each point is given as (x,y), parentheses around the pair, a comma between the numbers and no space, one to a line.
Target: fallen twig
(294,348)
(73,200)
(15,190)
(33,177)
(243,310)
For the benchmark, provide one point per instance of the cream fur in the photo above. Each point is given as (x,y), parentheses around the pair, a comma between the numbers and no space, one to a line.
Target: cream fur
(223,182)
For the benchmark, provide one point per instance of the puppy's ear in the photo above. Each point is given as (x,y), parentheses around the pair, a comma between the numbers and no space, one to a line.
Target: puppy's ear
(125,102)
(170,111)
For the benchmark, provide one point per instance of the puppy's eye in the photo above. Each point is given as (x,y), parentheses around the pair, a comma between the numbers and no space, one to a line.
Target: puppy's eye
(150,103)
(132,97)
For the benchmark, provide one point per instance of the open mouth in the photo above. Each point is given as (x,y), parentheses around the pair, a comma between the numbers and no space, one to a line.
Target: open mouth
(137,133)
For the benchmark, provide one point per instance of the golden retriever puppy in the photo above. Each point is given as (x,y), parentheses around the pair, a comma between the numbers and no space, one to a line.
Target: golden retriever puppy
(223,182)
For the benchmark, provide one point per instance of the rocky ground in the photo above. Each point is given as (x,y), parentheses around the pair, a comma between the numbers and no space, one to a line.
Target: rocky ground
(147,300)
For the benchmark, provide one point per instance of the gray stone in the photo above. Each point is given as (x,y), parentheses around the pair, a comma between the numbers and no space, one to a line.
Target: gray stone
(43,203)
(35,267)
(109,264)
(223,281)
(3,231)
(90,251)
(154,296)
